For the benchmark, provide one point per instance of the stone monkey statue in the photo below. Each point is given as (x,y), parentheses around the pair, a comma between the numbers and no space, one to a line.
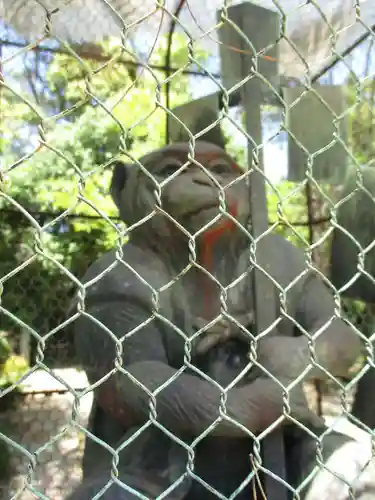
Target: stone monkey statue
(345,457)
(151,350)
(355,232)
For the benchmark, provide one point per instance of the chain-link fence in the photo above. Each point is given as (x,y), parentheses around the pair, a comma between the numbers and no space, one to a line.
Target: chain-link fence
(211,290)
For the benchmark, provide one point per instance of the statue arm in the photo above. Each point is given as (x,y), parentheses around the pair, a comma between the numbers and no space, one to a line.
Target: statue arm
(337,346)
(187,403)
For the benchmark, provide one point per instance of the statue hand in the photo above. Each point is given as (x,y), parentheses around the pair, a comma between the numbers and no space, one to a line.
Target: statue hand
(284,357)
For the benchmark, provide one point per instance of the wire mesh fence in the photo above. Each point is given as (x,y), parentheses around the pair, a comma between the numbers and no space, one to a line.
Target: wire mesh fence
(203,260)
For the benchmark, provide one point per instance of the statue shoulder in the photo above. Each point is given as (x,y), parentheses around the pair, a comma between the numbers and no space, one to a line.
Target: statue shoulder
(285,261)
(284,252)
(131,275)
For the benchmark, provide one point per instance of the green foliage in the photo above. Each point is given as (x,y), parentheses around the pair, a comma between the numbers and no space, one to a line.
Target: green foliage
(361,98)
(12,366)
(5,348)
(12,370)
(12,110)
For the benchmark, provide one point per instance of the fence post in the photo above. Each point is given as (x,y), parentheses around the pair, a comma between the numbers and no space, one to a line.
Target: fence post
(262,27)
(264,294)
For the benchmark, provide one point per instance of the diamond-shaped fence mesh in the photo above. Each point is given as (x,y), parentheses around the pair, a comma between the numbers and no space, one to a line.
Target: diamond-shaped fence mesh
(187,271)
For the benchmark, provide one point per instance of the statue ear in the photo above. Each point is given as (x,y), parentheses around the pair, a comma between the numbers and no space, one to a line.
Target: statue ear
(197,117)
(119,178)
(215,135)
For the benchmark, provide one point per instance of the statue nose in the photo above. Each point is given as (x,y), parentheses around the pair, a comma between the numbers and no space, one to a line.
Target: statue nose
(202,179)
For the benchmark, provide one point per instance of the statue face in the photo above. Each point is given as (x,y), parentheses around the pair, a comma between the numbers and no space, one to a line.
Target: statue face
(189,194)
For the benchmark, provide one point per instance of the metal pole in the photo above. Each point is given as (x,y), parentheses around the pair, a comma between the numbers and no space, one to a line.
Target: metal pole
(264,295)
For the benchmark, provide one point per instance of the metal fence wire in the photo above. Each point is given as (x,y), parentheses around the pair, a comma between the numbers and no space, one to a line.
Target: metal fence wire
(255,333)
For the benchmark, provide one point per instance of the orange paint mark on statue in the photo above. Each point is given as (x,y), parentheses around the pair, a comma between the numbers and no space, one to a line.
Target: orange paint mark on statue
(212,235)
(109,400)
(209,239)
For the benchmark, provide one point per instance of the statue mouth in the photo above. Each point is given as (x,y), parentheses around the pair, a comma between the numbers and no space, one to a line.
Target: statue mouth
(202,209)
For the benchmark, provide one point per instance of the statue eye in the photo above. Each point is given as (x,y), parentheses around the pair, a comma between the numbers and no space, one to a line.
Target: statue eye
(169,167)
(220,167)
(168,170)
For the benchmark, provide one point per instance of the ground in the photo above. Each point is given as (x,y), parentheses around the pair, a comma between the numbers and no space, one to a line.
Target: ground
(48,447)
